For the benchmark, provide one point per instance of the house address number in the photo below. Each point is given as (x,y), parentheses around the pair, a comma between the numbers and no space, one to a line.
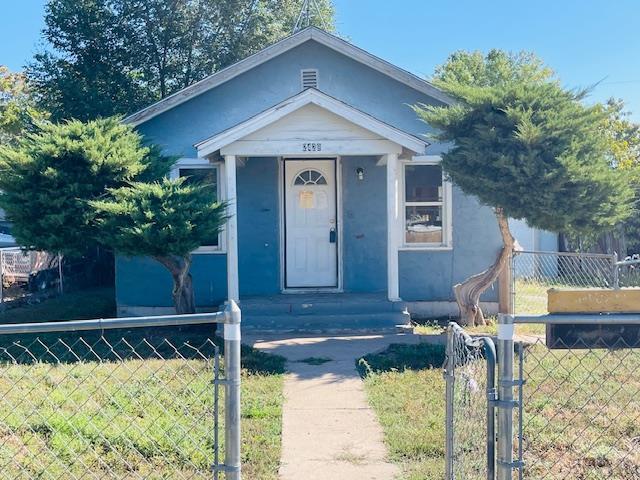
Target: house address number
(311,147)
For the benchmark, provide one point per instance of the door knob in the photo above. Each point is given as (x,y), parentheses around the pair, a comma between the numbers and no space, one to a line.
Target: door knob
(332,235)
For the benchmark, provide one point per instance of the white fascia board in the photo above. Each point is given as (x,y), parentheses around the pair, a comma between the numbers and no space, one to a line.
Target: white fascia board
(427,158)
(389,69)
(212,144)
(289,148)
(279,48)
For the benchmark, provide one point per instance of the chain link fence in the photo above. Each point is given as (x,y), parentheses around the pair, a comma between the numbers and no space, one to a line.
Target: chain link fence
(534,273)
(629,271)
(470,379)
(566,404)
(580,410)
(134,398)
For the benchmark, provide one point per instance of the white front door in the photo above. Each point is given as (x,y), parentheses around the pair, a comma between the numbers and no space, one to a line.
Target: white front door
(310,223)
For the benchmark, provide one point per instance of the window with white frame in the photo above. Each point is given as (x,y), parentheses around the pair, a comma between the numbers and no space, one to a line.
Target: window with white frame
(426,206)
(200,171)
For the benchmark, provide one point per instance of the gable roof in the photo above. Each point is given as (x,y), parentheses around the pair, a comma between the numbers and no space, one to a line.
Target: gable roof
(284,45)
(310,96)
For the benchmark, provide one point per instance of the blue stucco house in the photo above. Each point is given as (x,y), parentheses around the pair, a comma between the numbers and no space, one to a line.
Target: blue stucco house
(338,202)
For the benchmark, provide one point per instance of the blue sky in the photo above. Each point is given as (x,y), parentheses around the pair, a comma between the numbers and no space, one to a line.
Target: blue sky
(585,42)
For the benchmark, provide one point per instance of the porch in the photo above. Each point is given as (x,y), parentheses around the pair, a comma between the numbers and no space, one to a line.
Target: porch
(322,312)
(310,136)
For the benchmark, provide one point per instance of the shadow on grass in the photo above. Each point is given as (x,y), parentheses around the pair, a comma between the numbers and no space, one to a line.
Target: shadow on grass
(437,323)
(193,342)
(256,361)
(315,361)
(400,357)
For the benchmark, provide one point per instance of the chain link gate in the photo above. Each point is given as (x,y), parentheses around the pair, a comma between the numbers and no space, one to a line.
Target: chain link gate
(557,409)
(578,406)
(566,403)
(469,371)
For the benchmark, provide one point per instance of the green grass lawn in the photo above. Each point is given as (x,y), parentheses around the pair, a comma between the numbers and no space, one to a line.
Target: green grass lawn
(531,299)
(581,417)
(64,414)
(439,327)
(581,411)
(405,386)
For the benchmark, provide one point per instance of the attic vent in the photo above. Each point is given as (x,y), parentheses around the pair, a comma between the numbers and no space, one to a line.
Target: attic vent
(309,78)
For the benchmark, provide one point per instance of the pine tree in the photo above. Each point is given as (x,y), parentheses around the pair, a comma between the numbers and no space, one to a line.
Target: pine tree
(49,176)
(69,187)
(165,220)
(532,150)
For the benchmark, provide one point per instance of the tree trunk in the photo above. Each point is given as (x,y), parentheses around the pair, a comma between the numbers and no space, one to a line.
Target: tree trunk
(183,296)
(468,292)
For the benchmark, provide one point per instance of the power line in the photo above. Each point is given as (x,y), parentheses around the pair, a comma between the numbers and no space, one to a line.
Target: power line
(620,82)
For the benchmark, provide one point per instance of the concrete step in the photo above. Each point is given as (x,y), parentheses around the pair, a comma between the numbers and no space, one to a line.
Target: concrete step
(380,322)
(319,305)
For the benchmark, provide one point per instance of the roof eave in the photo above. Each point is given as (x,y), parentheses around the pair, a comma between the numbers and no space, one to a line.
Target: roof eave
(310,96)
(282,46)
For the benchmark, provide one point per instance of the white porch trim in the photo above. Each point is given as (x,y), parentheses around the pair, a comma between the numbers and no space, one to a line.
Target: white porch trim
(292,148)
(392,139)
(233,283)
(394,226)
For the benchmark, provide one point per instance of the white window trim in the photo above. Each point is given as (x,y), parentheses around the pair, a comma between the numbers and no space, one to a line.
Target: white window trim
(447,208)
(187,163)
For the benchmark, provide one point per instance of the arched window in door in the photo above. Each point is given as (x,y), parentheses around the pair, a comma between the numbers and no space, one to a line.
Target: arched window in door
(310,177)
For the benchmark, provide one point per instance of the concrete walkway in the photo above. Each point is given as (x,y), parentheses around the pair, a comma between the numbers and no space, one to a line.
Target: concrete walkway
(329,430)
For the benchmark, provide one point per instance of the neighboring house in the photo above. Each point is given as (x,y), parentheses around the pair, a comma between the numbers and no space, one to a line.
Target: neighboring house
(338,202)
(533,239)
(6,240)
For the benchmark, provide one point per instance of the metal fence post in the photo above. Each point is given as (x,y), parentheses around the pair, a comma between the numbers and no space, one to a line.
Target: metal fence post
(512,260)
(490,355)
(2,277)
(450,382)
(232,391)
(60,275)
(615,271)
(505,403)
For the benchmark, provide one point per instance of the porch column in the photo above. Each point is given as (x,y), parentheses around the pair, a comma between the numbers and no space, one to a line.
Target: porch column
(394,226)
(233,288)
